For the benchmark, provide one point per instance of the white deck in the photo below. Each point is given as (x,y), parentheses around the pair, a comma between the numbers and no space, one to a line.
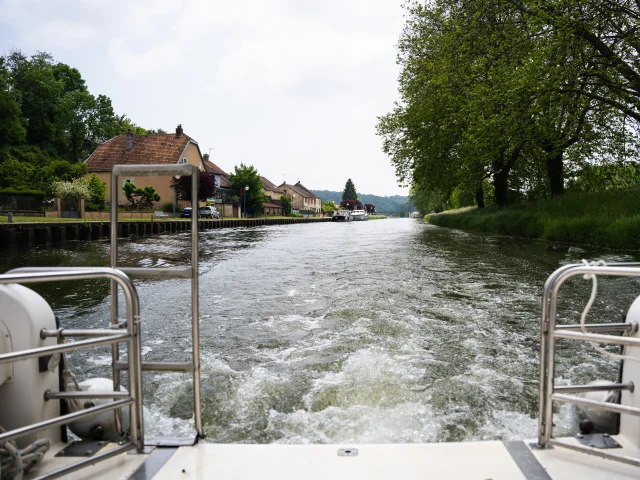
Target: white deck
(470,460)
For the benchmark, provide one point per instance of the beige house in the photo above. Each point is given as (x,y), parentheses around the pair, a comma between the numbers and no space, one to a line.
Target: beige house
(130,149)
(302,198)
(273,206)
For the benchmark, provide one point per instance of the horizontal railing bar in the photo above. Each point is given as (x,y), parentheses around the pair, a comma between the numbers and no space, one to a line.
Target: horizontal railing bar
(78,332)
(596,451)
(152,170)
(594,388)
(49,395)
(158,272)
(52,422)
(87,462)
(595,338)
(602,327)
(66,347)
(159,366)
(612,407)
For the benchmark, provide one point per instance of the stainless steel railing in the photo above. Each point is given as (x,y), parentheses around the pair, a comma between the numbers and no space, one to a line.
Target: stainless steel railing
(130,336)
(549,392)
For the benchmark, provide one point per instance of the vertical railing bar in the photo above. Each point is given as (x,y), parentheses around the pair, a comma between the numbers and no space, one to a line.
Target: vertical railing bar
(113,263)
(195,327)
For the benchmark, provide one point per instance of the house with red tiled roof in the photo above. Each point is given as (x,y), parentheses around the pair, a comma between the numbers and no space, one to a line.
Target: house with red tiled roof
(151,149)
(302,199)
(227,202)
(273,206)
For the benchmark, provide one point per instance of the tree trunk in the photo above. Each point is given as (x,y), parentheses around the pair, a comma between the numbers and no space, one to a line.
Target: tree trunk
(555,173)
(480,197)
(501,185)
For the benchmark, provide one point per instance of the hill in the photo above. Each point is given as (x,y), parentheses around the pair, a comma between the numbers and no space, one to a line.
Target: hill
(395,204)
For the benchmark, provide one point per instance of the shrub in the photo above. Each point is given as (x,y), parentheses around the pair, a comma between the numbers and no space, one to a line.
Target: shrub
(71,192)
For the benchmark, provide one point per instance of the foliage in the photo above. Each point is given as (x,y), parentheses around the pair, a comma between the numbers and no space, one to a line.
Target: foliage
(247,176)
(26,193)
(98,193)
(49,121)
(145,196)
(604,219)
(349,192)
(70,192)
(206,186)
(351,204)
(475,107)
(286,204)
(328,207)
(370,207)
(167,207)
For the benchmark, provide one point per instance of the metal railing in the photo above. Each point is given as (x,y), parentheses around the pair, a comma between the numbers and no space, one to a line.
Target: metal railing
(549,392)
(161,273)
(130,335)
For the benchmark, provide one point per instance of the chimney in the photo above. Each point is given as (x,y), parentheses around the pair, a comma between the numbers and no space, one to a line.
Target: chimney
(206,157)
(129,138)
(179,131)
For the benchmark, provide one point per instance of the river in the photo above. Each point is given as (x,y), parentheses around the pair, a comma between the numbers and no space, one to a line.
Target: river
(362,332)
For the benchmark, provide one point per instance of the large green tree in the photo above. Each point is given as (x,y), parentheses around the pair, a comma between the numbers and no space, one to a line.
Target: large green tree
(244,176)
(485,93)
(349,192)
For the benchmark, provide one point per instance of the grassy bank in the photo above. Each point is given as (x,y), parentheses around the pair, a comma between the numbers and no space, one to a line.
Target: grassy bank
(377,217)
(605,219)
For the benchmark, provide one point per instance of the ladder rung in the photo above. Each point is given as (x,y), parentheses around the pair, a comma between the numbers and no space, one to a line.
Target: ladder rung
(159,366)
(153,170)
(158,272)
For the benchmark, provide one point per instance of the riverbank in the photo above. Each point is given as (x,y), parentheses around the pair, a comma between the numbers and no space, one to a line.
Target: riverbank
(604,219)
(60,231)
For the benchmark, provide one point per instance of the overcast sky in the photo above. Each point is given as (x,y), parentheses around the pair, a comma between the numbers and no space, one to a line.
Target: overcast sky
(291,86)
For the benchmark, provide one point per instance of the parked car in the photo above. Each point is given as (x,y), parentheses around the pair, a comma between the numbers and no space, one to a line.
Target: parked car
(186,212)
(209,212)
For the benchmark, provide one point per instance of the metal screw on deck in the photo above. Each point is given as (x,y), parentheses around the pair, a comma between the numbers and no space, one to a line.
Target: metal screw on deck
(10,217)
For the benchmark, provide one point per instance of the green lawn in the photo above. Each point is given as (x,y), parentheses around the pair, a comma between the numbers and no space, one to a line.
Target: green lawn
(603,219)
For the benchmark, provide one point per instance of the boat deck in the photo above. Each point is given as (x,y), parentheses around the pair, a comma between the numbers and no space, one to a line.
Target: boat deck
(493,460)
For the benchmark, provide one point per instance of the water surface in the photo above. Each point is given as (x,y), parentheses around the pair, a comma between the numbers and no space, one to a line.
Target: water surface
(372,332)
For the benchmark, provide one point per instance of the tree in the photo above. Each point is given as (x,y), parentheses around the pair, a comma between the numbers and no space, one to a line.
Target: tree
(286,204)
(351,204)
(146,196)
(370,207)
(328,207)
(247,176)
(206,186)
(349,192)
(98,193)
(12,130)
(70,192)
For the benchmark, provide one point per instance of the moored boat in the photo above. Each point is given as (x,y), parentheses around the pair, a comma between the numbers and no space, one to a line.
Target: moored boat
(342,216)
(360,215)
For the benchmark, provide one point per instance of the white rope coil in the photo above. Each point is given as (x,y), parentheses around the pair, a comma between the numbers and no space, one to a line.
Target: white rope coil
(583,317)
(14,462)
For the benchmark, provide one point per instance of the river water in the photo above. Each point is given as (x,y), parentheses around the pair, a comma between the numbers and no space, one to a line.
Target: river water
(370,332)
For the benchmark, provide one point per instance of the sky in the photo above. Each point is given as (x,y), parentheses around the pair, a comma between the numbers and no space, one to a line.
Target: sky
(293,87)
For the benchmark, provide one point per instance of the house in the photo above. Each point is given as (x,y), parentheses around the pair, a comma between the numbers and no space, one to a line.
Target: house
(226,200)
(152,149)
(302,199)
(273,206)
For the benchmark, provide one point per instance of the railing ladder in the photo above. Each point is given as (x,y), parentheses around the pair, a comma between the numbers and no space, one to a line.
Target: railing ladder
(181,272)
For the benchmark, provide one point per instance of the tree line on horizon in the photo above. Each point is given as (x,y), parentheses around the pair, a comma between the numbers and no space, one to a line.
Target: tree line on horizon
(502,102)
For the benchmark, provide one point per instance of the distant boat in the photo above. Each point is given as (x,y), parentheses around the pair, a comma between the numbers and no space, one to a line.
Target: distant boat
(342,216)
(360,215)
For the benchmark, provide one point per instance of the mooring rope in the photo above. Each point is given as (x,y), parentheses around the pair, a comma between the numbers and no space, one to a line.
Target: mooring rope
(14,462)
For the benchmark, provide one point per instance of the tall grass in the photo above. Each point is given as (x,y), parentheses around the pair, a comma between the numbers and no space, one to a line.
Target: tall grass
(603,219)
